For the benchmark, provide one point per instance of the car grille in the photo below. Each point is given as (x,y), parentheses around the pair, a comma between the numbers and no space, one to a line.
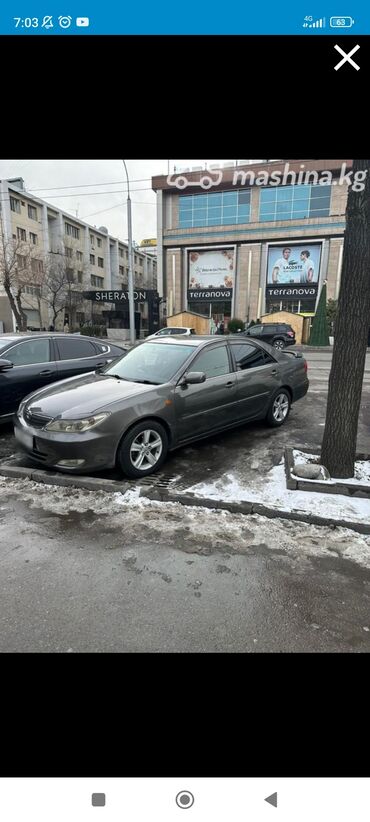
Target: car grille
(35,420)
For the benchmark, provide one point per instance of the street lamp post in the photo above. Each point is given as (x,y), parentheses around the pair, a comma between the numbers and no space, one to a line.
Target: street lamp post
(130,264)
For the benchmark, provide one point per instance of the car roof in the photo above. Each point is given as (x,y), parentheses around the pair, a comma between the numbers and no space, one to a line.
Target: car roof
(180,339)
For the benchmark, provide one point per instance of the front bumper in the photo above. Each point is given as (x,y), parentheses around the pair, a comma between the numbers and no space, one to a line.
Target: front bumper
(95,449)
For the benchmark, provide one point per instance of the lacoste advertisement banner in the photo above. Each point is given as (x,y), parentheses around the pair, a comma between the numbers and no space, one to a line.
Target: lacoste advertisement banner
(293,271)
(211,274)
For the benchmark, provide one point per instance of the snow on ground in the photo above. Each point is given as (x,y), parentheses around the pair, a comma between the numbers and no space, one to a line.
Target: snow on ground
(217,531)
(270,489)
(362,470)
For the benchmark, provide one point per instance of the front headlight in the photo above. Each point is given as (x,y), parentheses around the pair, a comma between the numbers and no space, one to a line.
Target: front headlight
(75,426)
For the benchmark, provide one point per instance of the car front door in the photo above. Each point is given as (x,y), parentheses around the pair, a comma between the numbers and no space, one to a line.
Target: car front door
(76,356)
(257,378)
(33,367)
(208,406)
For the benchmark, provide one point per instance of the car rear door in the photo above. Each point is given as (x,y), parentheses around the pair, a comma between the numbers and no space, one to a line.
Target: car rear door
(258,376)
(76,355)
(34,367)
(210,405)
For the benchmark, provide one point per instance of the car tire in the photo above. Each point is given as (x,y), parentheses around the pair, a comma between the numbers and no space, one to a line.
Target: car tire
(279,344)
(280,400)
(152,438)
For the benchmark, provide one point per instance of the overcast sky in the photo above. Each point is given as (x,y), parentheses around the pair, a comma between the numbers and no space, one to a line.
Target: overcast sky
(77,185)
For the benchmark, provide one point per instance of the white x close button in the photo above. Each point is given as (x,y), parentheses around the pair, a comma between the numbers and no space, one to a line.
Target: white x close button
(347,58)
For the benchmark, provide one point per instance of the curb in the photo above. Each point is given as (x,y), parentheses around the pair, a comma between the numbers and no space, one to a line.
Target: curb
(160,494)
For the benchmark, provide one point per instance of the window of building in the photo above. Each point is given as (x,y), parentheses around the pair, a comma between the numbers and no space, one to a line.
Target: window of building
(70,275)
(92,241)
(32,212)
(213,362)
(120,251)
(135,259)
(15,205)
(121,270)
(248,356)
(33,238)
(72,231)
(21,234)
(79,276)
(294,202)
(79,256)
(74,348)
(221,208)
(97,281)
(34,290)
(92,259)
(21,261)
(100,262)
(99,242)
(69,253)
(37,266)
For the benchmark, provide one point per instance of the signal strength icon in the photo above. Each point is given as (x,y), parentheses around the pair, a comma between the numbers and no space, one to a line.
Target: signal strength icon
(317,24)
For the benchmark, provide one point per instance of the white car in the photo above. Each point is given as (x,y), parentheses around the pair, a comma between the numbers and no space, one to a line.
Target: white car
(172,330)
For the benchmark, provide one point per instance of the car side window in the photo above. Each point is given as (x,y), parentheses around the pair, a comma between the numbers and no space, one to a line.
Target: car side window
(269,329)
(102,349)
(164,332)
(213,362)
(73,349)
(193,331)
(256,330)
(27,353)
(248,356)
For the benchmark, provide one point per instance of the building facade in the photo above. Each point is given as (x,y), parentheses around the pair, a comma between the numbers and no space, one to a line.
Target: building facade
(93,259)
(246,241)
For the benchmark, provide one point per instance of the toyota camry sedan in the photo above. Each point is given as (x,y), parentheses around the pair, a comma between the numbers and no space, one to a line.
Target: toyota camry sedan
(163,394)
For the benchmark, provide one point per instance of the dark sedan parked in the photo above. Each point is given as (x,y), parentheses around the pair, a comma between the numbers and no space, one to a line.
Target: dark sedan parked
(31,361)
(162,394)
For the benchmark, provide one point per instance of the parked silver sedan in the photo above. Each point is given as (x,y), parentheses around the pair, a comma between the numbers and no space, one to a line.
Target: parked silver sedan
(163,394)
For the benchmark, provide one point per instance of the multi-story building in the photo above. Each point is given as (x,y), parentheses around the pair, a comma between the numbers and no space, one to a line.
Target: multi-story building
(246,241)
(91,257)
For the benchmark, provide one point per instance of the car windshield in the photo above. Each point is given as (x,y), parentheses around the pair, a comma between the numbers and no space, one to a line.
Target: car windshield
(150,362)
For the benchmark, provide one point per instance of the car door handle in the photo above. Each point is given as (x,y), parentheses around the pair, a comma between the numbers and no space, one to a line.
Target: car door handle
(42,373)
(229,384)
(274,371)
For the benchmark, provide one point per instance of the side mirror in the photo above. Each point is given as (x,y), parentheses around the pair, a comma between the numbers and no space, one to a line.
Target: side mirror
(5,365)
(193,378)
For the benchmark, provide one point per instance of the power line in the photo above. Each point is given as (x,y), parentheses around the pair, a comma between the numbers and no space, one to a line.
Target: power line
(91,185)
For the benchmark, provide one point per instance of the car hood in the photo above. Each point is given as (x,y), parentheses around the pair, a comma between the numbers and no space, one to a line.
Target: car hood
(82,395)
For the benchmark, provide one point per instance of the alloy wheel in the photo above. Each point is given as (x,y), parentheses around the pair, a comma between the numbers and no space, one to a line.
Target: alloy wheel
(146,449)
(279,344)
(280,407)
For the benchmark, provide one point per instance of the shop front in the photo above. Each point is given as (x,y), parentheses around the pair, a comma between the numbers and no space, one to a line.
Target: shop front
(118,315)
(292,277)
(210,275)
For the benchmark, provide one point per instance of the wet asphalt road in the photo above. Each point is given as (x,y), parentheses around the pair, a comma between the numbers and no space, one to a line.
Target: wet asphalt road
(161,579)
(155,581)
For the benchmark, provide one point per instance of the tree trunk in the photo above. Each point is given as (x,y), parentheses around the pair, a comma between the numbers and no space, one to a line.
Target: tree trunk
(20,316)
(338,449)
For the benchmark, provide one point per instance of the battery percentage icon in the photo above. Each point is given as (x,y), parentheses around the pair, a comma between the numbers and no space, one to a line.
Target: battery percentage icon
(341,22)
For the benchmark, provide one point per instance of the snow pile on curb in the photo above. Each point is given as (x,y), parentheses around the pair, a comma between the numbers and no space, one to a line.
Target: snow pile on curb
(362,470)
(271,490)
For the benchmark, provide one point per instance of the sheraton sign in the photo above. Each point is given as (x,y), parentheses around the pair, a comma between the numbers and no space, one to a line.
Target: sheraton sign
(141,295)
